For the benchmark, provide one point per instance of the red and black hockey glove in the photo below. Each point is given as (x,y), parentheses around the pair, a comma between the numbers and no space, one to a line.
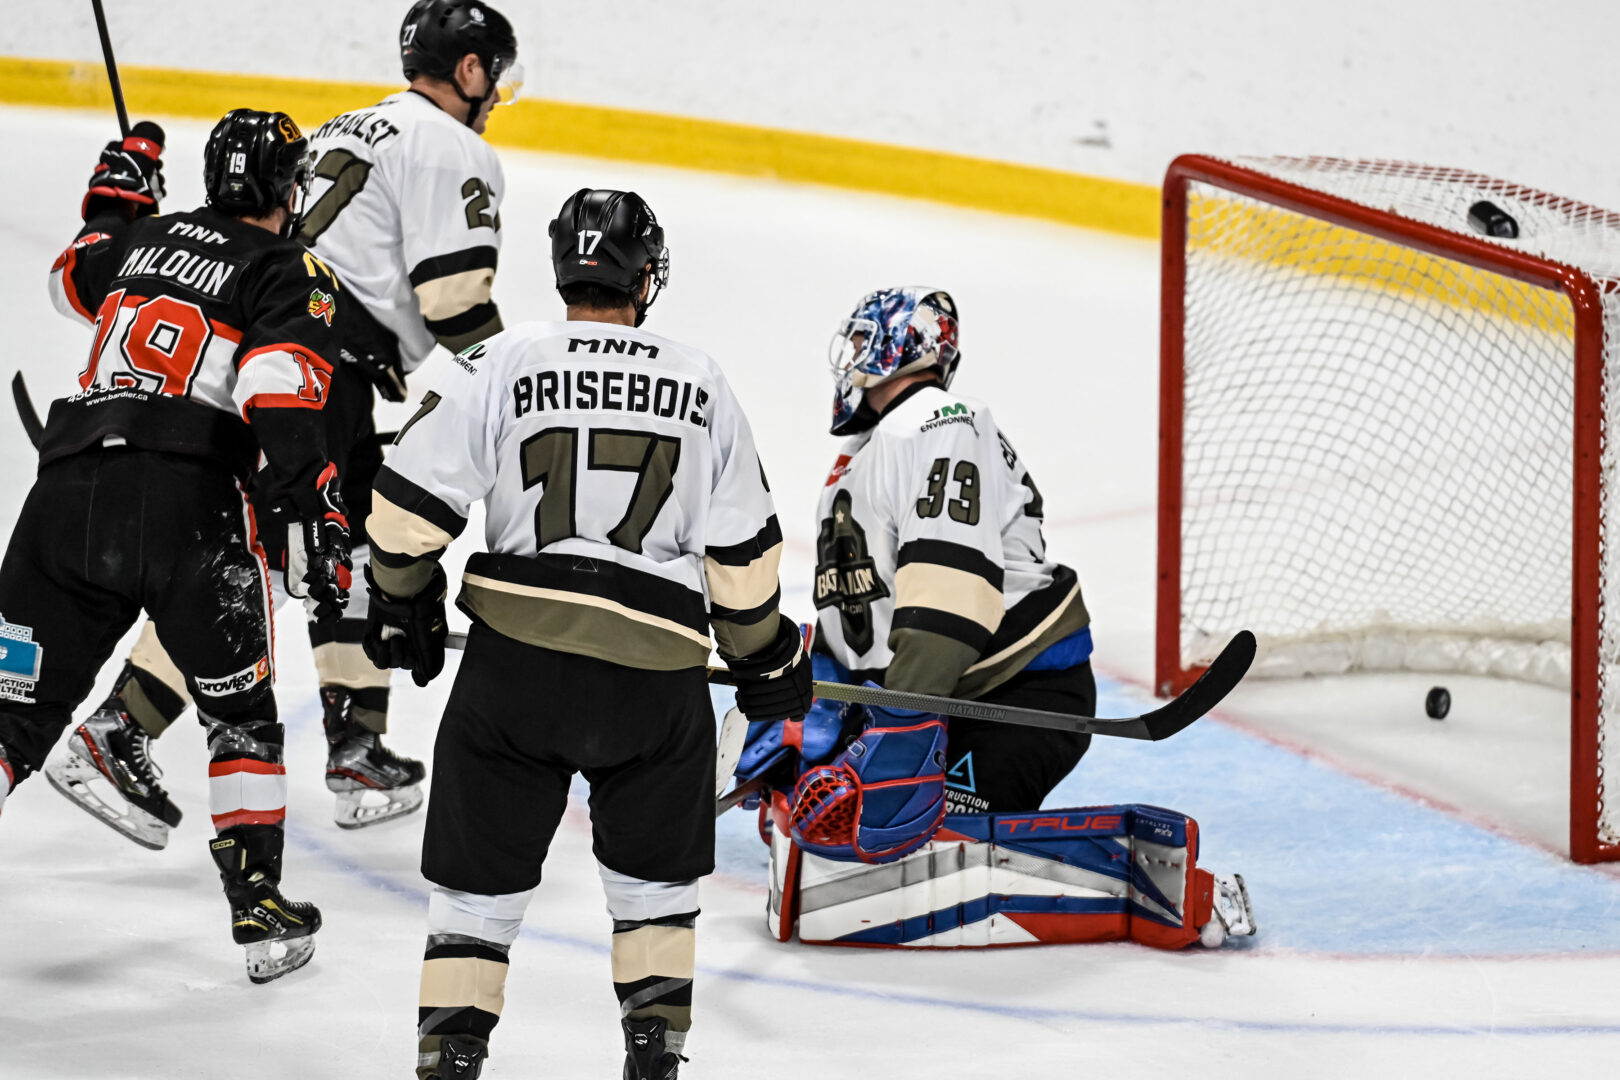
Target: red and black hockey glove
(408,632)
(775,684)
(307,538)
(129,177)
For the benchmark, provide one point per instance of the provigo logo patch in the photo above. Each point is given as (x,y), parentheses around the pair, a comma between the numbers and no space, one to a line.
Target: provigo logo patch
(234,684)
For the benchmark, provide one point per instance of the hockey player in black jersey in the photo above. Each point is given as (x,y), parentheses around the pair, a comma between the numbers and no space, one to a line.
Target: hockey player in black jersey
(627,516)
(404,206)
(213,338)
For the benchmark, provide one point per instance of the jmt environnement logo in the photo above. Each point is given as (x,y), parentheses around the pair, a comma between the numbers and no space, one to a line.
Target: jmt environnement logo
(950,414)
(20,657)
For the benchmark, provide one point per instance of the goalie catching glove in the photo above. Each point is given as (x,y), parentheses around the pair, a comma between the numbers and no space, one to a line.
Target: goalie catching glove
(883,797)
(307,538)
(408,632)
(775,684)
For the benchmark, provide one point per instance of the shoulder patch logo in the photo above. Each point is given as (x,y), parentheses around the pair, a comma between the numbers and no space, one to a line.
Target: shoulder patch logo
(322,305)
(950,414)
(20,657)
(840,470)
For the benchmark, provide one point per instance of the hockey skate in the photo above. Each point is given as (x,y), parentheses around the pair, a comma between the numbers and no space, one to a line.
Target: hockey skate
(279,934)
(371,782)
(109,773)
(644,1055)
(1234,917)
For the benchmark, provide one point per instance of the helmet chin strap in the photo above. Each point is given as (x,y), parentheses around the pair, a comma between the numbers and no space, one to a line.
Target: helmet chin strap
(475,105)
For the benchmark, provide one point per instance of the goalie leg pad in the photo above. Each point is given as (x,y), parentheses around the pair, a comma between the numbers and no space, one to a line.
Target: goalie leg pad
(1106,873)
(879,800)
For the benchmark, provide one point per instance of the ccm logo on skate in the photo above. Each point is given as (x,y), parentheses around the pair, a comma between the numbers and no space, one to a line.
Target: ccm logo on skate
(1088,823)
(234,684)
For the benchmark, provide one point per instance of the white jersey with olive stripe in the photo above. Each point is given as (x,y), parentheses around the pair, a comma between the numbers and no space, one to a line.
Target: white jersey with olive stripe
(626,510)
(931,571)
(405,205)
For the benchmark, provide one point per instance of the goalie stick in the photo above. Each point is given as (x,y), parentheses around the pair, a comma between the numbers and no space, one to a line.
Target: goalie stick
(1218,680)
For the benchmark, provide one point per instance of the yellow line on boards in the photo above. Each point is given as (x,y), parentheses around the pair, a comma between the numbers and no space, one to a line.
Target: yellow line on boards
(1069,198)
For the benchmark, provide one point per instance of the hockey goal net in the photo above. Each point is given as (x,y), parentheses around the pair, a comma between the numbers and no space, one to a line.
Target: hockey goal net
(1383,437)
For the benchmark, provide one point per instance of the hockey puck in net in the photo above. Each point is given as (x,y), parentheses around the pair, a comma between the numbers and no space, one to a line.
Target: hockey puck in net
(1492,220)
(1438,703)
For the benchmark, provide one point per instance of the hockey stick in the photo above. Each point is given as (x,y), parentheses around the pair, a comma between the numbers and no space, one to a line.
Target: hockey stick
(25,410)
(112,68)
(1218,680)
(19,389)
(737,794)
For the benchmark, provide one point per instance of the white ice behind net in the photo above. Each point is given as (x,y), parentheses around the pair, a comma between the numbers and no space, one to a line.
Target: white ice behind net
(1378,443)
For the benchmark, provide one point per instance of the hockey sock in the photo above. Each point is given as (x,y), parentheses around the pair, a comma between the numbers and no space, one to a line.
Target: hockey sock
(247,782)
(8,779)
(654,949)
(464,969)
(653,964)
(343,669)
(150,686)
(463,991)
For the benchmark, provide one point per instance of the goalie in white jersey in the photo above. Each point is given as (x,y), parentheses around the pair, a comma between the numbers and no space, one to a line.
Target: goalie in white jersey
(626,515)
(931,571)
(932,577)
(405,207)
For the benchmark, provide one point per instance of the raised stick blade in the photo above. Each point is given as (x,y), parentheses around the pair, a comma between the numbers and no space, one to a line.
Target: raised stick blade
(1218,680)
(25,410)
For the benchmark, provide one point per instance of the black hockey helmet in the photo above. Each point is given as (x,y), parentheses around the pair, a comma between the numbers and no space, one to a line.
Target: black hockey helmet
(610,238)
(253,162)
(436,34)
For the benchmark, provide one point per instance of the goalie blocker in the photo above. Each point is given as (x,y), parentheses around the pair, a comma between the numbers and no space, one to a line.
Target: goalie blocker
(1098,873)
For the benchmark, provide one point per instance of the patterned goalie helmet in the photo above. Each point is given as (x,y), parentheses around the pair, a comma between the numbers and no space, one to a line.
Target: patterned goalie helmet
(891,332)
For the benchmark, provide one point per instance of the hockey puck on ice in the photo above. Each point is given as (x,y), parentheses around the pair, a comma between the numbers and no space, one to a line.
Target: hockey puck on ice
(1438,703)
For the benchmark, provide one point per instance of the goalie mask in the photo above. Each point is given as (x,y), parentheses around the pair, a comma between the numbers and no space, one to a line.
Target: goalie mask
(892,332)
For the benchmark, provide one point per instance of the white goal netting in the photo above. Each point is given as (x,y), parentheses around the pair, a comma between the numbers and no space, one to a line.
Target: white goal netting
(1378,441)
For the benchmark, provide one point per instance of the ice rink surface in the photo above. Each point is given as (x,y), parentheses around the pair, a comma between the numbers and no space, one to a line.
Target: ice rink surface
(1416,914)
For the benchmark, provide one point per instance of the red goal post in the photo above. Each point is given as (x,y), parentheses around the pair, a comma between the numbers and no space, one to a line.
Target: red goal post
(1383,437)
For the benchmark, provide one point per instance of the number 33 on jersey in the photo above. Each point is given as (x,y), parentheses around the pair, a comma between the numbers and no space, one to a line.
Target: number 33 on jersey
(931,572)
(625,502)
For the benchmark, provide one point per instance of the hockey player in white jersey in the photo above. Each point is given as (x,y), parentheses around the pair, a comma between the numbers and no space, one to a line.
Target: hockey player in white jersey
(932,576)
(405,207)
(626,516)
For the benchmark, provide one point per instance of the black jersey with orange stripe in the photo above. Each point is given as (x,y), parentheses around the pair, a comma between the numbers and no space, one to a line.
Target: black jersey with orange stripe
(213,337)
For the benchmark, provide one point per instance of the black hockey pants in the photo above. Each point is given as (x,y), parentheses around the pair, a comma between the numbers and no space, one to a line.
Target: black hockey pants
(104,534)
(1003,768)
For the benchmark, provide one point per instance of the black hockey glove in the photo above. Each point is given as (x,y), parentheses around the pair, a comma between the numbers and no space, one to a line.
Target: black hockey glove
(306,537)
(128,180)
(775,685)
(374,352)
(408,633)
